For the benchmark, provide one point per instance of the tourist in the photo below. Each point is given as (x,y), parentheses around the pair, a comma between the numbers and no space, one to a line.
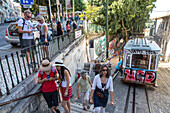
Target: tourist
(47,76)
(84,83)
(68,27)
(44,37)
(102,84)
(66,88)
(97,67)
(59,29)
(119,68)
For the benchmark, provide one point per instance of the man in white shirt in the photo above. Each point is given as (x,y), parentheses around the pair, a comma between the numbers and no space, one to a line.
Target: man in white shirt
(27,37)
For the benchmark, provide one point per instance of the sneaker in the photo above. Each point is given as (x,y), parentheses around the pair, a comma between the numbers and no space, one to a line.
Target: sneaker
(30,65)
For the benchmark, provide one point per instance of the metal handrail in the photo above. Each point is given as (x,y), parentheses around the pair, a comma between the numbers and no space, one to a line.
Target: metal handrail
(18,99)
(14,69)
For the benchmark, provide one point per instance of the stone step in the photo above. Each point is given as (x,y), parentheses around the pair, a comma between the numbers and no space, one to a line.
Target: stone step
(75,108)
(79,108)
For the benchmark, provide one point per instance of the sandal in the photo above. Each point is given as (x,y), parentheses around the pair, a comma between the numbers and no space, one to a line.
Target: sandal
(88,107)
(84,109)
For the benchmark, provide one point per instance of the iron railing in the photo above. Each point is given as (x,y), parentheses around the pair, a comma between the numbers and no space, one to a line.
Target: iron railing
(14,67)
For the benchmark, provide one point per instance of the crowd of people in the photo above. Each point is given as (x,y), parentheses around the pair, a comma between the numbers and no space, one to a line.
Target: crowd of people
(102,84)
(26,36)
(101,87)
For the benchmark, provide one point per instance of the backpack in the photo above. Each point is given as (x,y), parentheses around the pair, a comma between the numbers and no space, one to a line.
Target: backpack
(74,25)
(20,34)
(41,72)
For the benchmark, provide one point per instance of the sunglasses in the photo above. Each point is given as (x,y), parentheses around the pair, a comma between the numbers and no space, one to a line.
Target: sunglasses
(39,20)
(28,16)
(104,69)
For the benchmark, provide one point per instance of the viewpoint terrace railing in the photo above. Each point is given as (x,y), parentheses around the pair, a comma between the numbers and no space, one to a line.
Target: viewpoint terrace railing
(14,69)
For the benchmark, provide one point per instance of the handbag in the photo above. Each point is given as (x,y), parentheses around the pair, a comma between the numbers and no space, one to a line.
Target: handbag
(99,94)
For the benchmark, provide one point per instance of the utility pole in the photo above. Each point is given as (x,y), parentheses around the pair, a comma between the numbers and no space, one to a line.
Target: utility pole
(51,18)
(73,9)
(66,9)
(107,43)
(38,6)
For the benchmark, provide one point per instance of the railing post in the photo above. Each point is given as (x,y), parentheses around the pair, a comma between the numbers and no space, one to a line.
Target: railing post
(69,38)
(58,39)
(4,77)
(32,52)
(24,66)
(20,66)
(9,70)
(15,67)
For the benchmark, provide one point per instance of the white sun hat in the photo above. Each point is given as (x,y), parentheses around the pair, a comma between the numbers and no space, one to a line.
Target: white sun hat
(59,62)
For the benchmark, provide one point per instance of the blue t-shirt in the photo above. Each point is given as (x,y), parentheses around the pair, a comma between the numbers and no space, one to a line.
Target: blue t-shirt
(120,63)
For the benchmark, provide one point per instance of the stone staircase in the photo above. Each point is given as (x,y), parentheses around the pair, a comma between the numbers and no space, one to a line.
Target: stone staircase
(75,108)
(76,105)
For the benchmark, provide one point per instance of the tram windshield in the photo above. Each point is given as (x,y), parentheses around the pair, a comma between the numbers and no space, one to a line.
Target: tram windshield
(140,61)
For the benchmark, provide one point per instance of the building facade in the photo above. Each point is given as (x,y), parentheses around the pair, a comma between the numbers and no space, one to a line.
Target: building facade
(162,35)
(7,10)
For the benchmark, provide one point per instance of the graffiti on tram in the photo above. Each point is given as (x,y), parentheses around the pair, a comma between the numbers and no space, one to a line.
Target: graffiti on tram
(143,76)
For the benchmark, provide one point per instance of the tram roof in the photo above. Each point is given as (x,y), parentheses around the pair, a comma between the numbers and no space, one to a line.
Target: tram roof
(145,43)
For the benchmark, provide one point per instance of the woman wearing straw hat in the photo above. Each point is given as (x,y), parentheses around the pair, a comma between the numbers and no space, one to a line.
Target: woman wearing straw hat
(47,76)
(84,83)
(66,88)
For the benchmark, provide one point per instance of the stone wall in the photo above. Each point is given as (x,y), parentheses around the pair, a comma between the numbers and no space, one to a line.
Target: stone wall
(74,56)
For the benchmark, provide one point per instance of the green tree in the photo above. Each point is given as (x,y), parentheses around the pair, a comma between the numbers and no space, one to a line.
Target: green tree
(125,16)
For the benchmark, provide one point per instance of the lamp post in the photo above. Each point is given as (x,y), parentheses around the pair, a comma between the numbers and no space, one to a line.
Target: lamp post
(107,43)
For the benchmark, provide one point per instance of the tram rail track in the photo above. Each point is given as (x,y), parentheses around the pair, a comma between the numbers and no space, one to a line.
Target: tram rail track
(131,99)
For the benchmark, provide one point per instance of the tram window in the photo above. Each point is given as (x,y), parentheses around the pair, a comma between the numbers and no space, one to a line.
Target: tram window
(153,62)
(128,60)
(140,61)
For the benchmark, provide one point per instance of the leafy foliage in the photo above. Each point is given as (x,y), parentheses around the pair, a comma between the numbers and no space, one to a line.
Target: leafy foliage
(124,16)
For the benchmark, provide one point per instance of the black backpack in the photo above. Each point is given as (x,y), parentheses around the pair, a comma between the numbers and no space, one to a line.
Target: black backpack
(20,34)
(74,25)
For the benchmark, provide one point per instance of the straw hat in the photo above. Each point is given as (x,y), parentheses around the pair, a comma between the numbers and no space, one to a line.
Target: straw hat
(59,62)
(45,66)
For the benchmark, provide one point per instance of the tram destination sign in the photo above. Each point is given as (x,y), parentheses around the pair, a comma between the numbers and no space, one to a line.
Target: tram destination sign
(140,52)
